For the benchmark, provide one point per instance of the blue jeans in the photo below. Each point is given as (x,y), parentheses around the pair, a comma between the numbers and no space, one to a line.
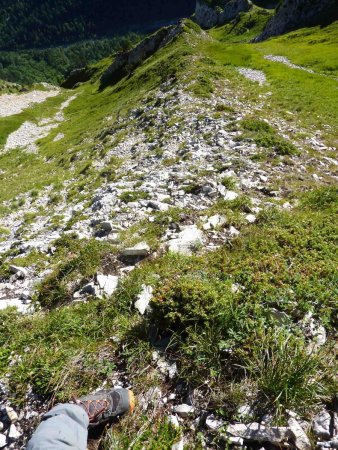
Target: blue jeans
(64,427)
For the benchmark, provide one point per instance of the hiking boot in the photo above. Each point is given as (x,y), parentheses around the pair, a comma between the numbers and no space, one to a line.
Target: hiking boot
(106,404)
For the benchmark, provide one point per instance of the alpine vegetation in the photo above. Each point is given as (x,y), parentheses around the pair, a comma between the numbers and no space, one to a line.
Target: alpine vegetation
(168,229)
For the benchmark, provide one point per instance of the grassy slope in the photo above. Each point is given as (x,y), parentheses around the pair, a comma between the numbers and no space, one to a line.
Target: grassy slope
(84,119)
(287,261)
(307,96)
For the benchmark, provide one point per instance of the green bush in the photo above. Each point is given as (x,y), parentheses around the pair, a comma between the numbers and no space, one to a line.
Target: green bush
(256,125)
(280,145)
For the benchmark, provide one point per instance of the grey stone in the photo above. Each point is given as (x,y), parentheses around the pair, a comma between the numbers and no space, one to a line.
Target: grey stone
(328,444)
(179,445)
(11,415)
(214,221)
(141,249)
(184,410)
(251,218)
(158,206)
(230,195)
(259,433)
(233,231)
(299,436)
(106,226)
(18,270)
(89,289)
(213,424)
(16,303)
(244,411)
(321,425)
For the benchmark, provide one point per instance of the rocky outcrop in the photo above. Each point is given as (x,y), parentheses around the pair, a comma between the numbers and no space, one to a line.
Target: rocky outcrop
(126,62)
(293,14)
(77,76)
(207,16)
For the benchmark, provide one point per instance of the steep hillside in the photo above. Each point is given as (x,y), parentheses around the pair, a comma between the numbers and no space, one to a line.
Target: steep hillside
(36,23)
(172,229)
(293,14)
(289,14)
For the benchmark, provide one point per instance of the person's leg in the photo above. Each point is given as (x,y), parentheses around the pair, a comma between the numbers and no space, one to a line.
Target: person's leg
(63,428)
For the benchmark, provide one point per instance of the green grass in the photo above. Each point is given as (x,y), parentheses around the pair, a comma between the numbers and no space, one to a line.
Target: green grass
(313,48)
(248,26)
(308,97)
(84,118)
(286,261)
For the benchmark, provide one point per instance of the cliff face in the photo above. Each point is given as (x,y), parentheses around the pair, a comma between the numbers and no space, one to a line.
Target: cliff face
(207,16)
(126,62)
(293,14)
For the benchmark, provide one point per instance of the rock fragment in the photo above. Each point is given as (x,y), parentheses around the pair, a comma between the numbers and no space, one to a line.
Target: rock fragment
(141,249)
(179,445)
(184,410)
(14,433)
(213,424)
(107,283)
(259,433)
(21,271)
(11,415)
(214,222)
(143,299)
(299,436)
(321,425)
(3,440)
(172,419)
(187,240)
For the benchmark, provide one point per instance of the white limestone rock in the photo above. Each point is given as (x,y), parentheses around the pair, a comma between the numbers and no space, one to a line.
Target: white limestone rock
(107,283)
(187,240)
(213,222)
(184,410)
(14,433)
(173,420)
(179,445)
(213,424)
(11,415)
(259,433)
(19,270)
(230,195)
(3,440)
(143,299)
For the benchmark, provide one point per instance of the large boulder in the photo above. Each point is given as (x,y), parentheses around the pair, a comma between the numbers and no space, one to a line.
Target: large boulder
(208,15)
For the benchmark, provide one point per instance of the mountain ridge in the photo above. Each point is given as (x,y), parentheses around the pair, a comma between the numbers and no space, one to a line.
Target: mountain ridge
(171,230)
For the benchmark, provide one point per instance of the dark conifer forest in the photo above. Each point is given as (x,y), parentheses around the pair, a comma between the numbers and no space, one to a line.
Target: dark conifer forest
(45,23)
